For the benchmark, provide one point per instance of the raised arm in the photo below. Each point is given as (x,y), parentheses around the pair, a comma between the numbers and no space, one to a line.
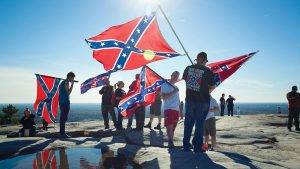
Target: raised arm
(69,89)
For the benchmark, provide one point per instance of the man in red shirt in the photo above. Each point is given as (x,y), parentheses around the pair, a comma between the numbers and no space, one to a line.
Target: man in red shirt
(293,98)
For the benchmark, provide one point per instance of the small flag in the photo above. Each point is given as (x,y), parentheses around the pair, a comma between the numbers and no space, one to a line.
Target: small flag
(223,69)
(94,82)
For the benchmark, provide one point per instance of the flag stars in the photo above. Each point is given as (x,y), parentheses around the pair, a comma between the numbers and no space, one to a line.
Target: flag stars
(138,31)
(128,47)
(102,44)
(128,103)
(145,20)
(124,55)
(116,44)
(168,54)
(132,40)
(119,66)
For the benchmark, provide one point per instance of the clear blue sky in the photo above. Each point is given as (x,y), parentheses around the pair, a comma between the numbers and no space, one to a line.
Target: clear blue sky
(47,37)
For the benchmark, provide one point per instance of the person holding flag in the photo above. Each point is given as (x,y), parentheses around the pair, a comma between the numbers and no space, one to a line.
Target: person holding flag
(64,102)
(118,95)
(170,96)
(106,105)
(199,83)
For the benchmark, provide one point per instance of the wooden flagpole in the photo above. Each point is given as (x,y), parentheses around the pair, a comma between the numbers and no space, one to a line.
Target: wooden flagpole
(55,77)
(175,34)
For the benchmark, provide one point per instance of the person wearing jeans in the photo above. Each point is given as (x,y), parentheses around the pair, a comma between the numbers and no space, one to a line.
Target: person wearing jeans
(199,83)
(64,101)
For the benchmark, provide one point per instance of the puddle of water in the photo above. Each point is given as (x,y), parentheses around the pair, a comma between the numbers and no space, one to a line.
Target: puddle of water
(70,158)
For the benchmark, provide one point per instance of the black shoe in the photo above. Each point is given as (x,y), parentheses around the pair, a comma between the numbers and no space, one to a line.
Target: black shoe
(106,127)
(297,129)
(199,151)
(138,129)
(188,148)
(148,125)
(290,129)
(64,136)
(170,144)
(158,127)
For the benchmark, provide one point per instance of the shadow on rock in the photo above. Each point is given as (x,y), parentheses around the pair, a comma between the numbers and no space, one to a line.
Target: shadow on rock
(181,159)
(241,159)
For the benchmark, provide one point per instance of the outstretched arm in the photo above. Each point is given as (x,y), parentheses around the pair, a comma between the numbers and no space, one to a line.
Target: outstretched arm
(168,95)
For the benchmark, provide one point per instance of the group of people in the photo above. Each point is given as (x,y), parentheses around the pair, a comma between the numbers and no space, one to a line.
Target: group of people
(228,103)
(199,83)
(200,106)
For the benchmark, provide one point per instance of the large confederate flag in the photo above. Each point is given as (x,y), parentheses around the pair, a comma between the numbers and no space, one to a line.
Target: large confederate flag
(131,45)
(46,103)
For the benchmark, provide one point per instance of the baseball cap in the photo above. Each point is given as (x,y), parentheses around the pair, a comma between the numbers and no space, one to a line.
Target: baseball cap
(202,55)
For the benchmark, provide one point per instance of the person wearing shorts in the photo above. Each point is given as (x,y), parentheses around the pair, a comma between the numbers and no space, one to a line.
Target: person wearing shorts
(155,110)
(210,124)
(170,96)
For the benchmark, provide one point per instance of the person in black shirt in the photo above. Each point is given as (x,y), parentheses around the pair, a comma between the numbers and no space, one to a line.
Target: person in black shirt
(200,82)
(28,124)
(230,105)
(222,104)
(106,105)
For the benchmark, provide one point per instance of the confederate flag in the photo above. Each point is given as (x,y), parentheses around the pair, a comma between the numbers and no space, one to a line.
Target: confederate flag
(223,69)
(131,45)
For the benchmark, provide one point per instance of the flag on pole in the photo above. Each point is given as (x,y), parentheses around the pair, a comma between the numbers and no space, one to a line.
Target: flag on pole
(131,45)
(45,159)
(94,82)
(144,94)
(46,103)
(223,69)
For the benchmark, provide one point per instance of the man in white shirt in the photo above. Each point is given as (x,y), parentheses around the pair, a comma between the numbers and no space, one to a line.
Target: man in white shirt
(170,96)
(210,123)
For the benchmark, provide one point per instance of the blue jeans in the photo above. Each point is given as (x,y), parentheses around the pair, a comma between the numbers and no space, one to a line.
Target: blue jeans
(64,112)
(195,113)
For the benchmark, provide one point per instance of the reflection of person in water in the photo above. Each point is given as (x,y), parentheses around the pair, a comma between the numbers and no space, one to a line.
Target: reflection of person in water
(115,162)
(109,160)
(63,158)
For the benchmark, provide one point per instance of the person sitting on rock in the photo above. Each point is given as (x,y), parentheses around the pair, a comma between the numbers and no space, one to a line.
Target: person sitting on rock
(28,123)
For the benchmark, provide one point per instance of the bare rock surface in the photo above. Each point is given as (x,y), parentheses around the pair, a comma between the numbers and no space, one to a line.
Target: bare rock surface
(250,141)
